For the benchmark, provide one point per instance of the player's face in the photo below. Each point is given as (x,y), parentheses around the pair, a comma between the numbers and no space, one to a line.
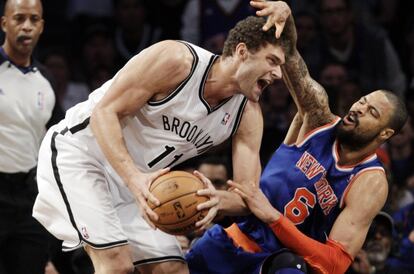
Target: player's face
(366,119)
(23,24)
(260,69)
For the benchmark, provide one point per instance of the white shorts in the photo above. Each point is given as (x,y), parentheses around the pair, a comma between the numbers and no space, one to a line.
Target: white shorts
(81,201)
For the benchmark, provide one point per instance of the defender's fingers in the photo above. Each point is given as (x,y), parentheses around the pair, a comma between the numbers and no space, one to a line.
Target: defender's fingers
(268,11)
(241,193)
(205,192)
(258,4)
(207,219)
(279,28)
(207,204)
(268,25)
(201,176)
(233,184)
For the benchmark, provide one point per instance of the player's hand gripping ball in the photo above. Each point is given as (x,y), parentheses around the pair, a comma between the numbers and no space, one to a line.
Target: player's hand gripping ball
(177,193)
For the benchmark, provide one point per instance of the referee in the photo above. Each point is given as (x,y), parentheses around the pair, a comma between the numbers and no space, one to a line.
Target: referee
(26,104)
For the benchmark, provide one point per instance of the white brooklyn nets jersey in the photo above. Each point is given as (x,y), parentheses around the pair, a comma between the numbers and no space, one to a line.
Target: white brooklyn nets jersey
(82,199)
(166,132)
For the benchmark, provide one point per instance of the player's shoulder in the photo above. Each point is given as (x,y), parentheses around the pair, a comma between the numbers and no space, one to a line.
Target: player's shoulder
(172,50)
(172,54)
(374,176)
(367,182)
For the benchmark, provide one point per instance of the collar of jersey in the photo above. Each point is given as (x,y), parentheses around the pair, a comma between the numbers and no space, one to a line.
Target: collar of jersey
(24,70)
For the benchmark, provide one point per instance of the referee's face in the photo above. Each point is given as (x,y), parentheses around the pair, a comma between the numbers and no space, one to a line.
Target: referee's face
(22,22)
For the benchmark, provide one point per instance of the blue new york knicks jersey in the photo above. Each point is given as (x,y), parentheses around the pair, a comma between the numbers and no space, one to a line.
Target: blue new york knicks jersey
(302,181)
(306,184)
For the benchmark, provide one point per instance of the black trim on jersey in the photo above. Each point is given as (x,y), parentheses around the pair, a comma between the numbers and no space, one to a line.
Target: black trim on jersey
(65,198)
(80,126)
(111,244)
(239,115)
(183,83)
(60,185)
(203,83)
(159,259)
(76,128)
(4,57)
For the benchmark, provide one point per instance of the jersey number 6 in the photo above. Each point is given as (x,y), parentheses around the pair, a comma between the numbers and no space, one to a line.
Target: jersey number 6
(298,208)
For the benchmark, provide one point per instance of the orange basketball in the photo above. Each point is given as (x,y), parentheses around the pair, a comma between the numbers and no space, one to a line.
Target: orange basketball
(177,193)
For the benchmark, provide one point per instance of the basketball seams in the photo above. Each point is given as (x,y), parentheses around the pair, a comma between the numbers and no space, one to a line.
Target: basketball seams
(175,198)
(167,225)
(156,183)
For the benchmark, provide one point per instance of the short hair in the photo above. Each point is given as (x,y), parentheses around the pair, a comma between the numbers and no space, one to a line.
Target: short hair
(250,32)
(400,115)
(7,4)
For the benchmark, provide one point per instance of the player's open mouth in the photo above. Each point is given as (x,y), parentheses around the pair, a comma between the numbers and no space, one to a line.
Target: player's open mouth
(263,83)
(350,119)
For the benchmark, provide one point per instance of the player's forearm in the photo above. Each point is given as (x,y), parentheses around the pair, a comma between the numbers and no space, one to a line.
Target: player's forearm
(107,131)
(231,204)
(306,92)
(329,257)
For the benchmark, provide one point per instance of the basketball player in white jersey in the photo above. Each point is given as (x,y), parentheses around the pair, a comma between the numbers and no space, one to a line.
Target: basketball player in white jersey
(169,103)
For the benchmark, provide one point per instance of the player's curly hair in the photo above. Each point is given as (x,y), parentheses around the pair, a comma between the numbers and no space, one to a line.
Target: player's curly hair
(250,32)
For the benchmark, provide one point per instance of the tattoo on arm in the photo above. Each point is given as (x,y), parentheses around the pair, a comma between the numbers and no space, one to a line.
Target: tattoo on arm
(310,97)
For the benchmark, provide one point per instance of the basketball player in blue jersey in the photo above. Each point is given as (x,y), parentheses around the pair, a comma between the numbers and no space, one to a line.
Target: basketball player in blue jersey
(321,189)
(169,103)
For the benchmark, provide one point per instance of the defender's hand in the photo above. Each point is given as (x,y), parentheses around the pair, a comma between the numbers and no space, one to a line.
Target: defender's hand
(255,199)
(277,13)
(212,204)
(139,186)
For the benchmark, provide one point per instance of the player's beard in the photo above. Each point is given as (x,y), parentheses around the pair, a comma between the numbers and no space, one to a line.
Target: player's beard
(353,139)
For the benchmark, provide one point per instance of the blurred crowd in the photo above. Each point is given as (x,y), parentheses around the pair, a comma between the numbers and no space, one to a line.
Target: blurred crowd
(351,47)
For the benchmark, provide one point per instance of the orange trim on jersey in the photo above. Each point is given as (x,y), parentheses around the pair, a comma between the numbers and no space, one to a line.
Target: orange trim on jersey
(315,130)
(336,153)
(242,240)
(341,204)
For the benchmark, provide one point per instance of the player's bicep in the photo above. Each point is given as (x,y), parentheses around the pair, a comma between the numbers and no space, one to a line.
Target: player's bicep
(361,206)
(146,76)
(246,144)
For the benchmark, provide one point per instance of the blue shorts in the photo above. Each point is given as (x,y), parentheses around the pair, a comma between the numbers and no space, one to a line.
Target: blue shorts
(215,253)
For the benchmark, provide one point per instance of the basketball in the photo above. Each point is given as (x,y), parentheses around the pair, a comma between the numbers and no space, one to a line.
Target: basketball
(177,193)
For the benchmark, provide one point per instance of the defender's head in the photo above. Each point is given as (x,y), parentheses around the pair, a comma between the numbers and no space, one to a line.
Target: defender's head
(374,119)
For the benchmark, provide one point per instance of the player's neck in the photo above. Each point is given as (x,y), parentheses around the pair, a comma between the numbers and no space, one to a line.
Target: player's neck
(219,84)
(349,156)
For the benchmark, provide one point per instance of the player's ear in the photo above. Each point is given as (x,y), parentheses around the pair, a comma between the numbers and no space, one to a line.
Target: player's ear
(242,51)
(386,133)
(3,24)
